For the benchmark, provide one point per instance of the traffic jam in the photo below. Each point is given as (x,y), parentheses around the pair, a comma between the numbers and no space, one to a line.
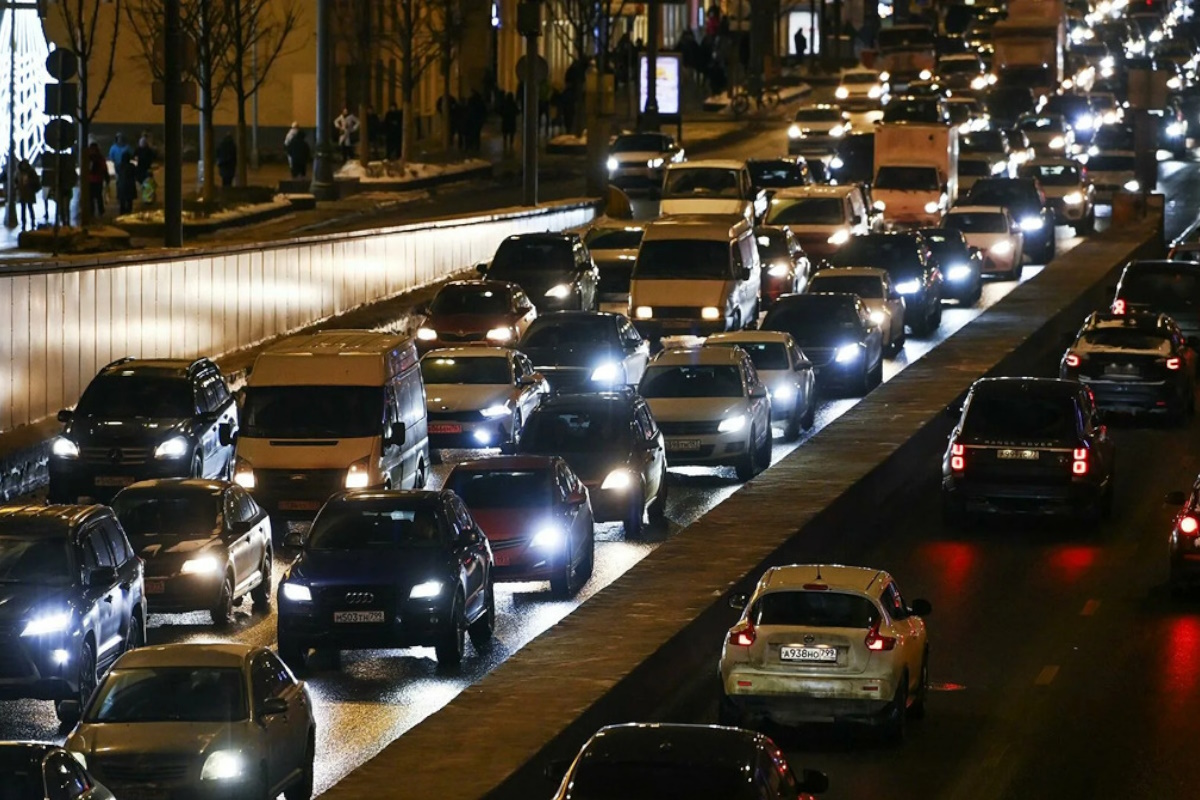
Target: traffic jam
(372,490)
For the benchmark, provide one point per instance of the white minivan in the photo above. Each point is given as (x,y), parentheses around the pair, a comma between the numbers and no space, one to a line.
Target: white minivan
(332,410)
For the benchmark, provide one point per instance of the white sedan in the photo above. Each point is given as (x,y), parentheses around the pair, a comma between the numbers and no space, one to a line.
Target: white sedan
(479,396)
(874,287)
(818,643)
(993,231)
(785,370)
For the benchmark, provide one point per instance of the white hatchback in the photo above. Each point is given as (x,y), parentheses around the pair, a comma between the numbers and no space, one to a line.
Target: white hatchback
(993,231)
(786,371)
(824,643)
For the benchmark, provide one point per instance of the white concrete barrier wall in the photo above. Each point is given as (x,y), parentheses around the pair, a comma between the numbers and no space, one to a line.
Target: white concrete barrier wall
(59,325)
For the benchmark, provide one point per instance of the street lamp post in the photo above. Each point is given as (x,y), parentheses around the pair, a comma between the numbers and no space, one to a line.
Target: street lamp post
(10,189)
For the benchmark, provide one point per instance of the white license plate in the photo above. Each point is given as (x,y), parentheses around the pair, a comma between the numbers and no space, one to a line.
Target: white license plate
(112,480)
(156,587)
(1018,455)
(821,655)
(357,616)
(299,505)
(683,444)
(445,427)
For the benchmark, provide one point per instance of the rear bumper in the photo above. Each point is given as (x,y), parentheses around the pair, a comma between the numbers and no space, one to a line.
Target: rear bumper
(1137,397)
(469,433)
(1034,498)
(411,629)
(657,328)
(855,699)
(72,481)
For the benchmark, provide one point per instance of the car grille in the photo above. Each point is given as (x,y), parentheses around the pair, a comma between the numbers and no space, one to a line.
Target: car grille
(472,336)
(353,598)
(565,379)
(676,312)
(507,544)
(114,455)
(688,427)
(313,484)
(455,416)
(13,664)
(142,769)
(819,356)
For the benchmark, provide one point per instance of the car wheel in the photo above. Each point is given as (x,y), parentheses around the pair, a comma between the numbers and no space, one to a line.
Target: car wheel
(514,437)
(747,465)
(562,583)
(634,516)
(87,682)
(976,295)
(810,414)
(897,713)
(261,594)
(736,323)
(222,608)
(1018,269)
(876,377)
(1090,224)
(587,564)
(1048,250)
(658,508)
(917,710)
(302,788)
(421,475)
(481,630)
(293,653)
(453,641)
(791,430)
(863,384)
(762,453)
(197,467)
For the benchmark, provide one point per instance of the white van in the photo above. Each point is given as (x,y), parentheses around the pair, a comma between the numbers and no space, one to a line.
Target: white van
(695,274)
(822,218)
(327,411)
(713,186)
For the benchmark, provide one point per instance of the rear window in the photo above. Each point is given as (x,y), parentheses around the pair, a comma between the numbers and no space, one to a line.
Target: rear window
(765,355)
(815,609)
(694,381)
(806,211)
(610,239)
(597,779)
(502,488)
(1013,413)
(865,286)
(1162,289)
(1128,339)
(977,222)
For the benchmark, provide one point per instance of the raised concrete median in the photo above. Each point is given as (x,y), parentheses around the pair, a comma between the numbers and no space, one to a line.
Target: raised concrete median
(618,657)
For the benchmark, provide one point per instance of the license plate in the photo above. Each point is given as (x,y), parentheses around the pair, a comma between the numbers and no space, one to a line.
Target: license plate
(357,616)
(1127,372)
(299,505)
(1018,455)
(142,793)
(683,444)
(501,558)
(156,587)
(112,480)
(821,655)
(445,427)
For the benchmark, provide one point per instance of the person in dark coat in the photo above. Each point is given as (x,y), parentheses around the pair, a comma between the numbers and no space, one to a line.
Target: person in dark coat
(393,123)
(126,184)
(144,157)
(508,120)
(227,160)
(299,154)
(476,117)
(28,184)
(97,176)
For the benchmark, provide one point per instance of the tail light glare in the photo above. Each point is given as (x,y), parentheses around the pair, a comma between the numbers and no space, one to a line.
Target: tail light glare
(958,457)
(1072,360)
(1173,363)
(1189,525)
(1118,306)
(877,643)
(1079,461)
(742,637)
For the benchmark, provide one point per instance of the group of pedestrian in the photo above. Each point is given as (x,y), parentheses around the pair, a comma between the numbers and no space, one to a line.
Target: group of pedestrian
(131,171)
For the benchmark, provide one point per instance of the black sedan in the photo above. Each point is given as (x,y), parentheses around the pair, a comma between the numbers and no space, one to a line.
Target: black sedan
(555,269)
(836,334)
(586,350)
(1027,205)
(772,174)
(1184,541)
(206,544)
(907,259)
(45,771)
(785,266)
(960,264)
(853,159)
(1029,446)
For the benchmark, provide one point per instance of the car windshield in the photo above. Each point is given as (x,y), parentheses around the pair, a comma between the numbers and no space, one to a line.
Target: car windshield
(915,37)
(669,780)
(865,286)
(917,179)
(974,168)
(614,238)
(1163,289)
(1012,413)
(549,332)
(887,251)
(640,143)
(867,78)
(307,412)
(977,222)
(22,771)
(830,115)
(671,259)
(953,66)
(1111,163)
(517,255)
(982,142)
(946,244)
(776,174)
(816,321)
(765,355)
(601,428)
(702,182)
(172,514)
(913,109)
(806,211)
(41,560)
(502,488)
(374,525)
(480,369)
(691,381)
(1000,193)
(170,694)
(1128,339)
(812,609)
(1051,174)
(123,394)
(470,300)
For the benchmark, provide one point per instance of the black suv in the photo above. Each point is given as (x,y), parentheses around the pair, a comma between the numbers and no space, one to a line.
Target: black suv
(382,569)
(1168,287)
(205,543)
(960,264)
(556,270)
(914,273)
(140,419)
(1027,204)
(71,601)
(613,444)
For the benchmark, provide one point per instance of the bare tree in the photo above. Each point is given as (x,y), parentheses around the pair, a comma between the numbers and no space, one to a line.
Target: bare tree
(95,55)
(410,36)
(255,28)
(447,25)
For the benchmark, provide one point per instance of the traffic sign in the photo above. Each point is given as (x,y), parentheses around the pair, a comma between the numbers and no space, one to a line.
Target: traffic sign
(541,69)
(61,99)
(62,64)
(60,133)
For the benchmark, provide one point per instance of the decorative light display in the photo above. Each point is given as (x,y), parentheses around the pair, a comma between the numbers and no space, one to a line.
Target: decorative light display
(27,83)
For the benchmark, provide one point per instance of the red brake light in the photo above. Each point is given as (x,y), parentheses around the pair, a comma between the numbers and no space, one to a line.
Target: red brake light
(815,587)
(1118,306)
(958,457)
(743,637)
(876,642)
(1189,525)
(1072,360)
(1079,462)
(1173,363)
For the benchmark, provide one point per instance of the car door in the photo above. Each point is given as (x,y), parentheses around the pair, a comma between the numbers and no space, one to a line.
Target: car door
(129,588)
(240,542)
(222,402)
(525,312)
(590,275)
(654,452)
(566,483)
(804,375)
(872,336)
(280,735)
(801,265)
(909,627)
(636,350)
(757,397)
(105,599)
(525,393)
(895,307)
(469,549)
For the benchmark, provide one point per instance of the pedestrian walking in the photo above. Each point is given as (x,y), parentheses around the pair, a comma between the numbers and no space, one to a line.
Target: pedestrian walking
(126,184)
(28,184)
(118,150)
(144,157)
(97,177)
(299,154)
(508,120)
(347,128)
(291,134)
(476,117)
(801,42)
(227,160)
(393,124)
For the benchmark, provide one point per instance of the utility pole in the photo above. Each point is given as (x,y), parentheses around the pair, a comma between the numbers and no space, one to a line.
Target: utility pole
(322,181)
(10,190)
(172,126)
(650,115)
(529,24)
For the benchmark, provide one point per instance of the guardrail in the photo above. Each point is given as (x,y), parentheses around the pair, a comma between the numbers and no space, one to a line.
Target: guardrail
(66,319)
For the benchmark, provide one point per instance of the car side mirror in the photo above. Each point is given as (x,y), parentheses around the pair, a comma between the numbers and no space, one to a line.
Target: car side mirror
(577,498)
(471,537)
(273,707)
(922,608)
(226,435)
(526,380)
(481,267)
(812,781)
(395,435)
(294,540)
(65,415)
(738,601)
(102,577)
(758,391)
(1175,498)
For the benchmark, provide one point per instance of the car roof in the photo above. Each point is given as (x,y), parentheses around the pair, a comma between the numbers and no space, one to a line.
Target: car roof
(1145,320)
(482,285)
(587,400)
(976,210)
(490,463)
(567,316)
(813,190)
(699,356)
(469,352)
(548,236)
(43,520)
(189,654)
(179,485)
(409,498)
(835,576)
(1040,385)
(172,367)
(786,300)
(706,227)
(873,272)
(748,337)
(711,163)
(659,743)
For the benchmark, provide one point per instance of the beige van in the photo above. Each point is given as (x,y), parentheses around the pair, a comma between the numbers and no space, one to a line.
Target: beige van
(695,274)
(327,411)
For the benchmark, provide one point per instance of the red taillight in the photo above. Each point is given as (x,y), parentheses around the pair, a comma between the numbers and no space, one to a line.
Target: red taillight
(743,637)
(1173,363)
(1118,306)
(876,642)
(1079,461)
(958,457)
(1189,525)
(1072,360)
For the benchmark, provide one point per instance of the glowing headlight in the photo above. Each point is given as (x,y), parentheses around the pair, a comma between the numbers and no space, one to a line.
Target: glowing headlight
(204,565)
(491,412)
(175,447)
(1173,82)
(1031,224)
(779,270)
(999,167)
(612,165)
(1110,117)
(1073,198)
(839,237)
(643,312)
(1003,248)
(223,765)
(499,335)
(297,593)
(908,287)
(794,132)
(426,590)
(885,76)
(879,205)
(1058,143)
(836,163)
(426,334)
(617,480)
(609,372)
(732,424)
(1085,122)
(837,131)
(64,448)
(710,313)
(654,163)
(784,393)
(549,537)
(847,353)
(979,83)
(1108,62)
(874,92)
(54,622)
(878,317)
(925,75)
(959,272)
(243,474)
(841,93)
(932,207)
(359,475)
(1176,129)
(560,292)
(1132,186)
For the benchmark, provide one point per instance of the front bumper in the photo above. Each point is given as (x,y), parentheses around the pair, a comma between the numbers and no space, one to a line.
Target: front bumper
(166,776)
(710,450)
(73,481)
(28,668)
(1038,498)
(295,494)
(963,289)
(414,625)
(170,594)
(996,265)
(609,505)
(657,327)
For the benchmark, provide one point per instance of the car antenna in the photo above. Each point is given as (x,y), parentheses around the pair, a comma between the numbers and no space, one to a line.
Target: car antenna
(819,572)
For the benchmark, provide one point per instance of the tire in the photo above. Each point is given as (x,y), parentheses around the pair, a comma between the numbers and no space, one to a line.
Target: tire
(261,594)
(563,584)
(303,788)
(893,730)
(197,467)
(1089,225)
(747,466)
(453,642)
(876,376)
(791,431)
(976,295)
(293,653)
(1018,269)
(87,682)
(588,565)
(863,385)
(481,630)
(421,475)
(1049,249)
(658,508)
(810,414)
(633,516)
(737,320)
(917,709)
(763,454)
(222,608)
(514,437)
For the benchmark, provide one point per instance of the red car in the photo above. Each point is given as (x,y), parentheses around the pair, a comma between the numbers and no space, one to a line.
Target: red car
(537,517)
(493,313)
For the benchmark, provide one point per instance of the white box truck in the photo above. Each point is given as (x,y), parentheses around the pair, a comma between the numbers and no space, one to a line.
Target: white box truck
(916,172)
